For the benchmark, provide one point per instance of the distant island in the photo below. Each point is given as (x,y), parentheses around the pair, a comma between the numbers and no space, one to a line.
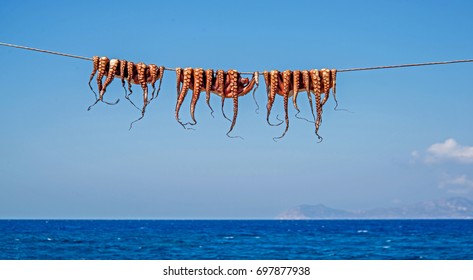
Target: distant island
(450,208)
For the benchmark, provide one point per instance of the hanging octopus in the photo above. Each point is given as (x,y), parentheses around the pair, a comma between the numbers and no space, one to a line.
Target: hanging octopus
(321,83)
(197,80)
(228,84)
(283,84)
(302,85)
(105,67)
(127,72)
(290,83)
(139,73)
(155,73)
(236,87)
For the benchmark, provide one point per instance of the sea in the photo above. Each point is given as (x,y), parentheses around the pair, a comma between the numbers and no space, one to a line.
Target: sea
(236,239)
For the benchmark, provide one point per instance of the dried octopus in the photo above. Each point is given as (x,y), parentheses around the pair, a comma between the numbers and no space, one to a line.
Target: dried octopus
(139,73)
(228,84)
(289,83)
(103,67)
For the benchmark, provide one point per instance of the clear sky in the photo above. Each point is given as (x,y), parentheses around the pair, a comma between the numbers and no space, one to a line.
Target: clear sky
(409,138)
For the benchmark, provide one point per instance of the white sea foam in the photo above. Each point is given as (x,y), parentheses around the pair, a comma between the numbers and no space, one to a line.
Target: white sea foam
(229,237)
(362,231)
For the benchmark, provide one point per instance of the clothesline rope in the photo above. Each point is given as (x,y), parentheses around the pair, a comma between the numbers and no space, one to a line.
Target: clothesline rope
(338,70)
(44,51)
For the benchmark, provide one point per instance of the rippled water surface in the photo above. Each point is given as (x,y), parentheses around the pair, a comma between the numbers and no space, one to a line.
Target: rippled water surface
(236,239)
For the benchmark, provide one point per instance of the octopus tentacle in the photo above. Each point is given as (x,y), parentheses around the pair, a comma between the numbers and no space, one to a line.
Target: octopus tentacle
(154,76)
(306,82)
(296,88)
(142,80)
(112,69)
(160,77)
(296,76)
(123,73)
(333,85)
(286,76)
(221,88)
(235,113)
(316,86)
(256,79)
(286,111)
(234,76)
(102,70)
(186,84)
(130,66)
(209,76)
(198,84)
(325,76)
(266,81)
(95,61)
(179,79)
(130,69)
(273,88)
(103,65)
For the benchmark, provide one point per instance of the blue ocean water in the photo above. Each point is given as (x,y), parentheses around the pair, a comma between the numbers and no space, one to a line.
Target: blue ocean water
(236,239)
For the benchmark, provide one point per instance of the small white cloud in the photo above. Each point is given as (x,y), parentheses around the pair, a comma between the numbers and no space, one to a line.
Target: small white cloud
(415,154)
(448,150)
(457,184)
(415,157)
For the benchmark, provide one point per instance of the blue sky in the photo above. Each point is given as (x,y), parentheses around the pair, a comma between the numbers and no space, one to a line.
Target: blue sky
(408,139)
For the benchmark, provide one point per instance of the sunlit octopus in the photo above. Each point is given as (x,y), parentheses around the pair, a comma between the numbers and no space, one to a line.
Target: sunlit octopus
(289,83)
(227,84)
(139,73)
